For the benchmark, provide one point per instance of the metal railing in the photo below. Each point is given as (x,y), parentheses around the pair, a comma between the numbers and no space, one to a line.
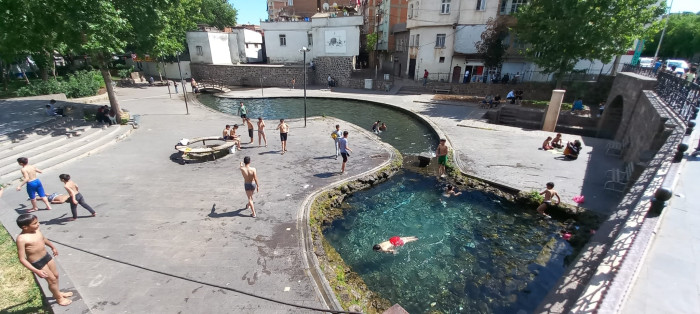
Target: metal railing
(681,96)
(650,71)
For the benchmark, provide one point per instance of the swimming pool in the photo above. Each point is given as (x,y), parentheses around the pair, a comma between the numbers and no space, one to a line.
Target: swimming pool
(476,253)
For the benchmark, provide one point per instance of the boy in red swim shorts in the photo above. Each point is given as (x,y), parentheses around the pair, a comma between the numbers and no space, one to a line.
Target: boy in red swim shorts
(393,242)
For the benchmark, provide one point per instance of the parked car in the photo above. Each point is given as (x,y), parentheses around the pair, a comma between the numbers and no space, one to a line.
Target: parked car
(680,65)
(646,62)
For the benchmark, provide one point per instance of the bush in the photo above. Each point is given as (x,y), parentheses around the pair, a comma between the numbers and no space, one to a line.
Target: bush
(126,73)
(79,84)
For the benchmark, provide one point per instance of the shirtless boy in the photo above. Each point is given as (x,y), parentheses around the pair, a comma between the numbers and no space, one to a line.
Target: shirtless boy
(441,153)
(261,131)
(549,193)
(250,182)
(31,246)
(75,196)
(226,134)
(250,129)
(235,137)
(393,243)
(33,184)
(284,130)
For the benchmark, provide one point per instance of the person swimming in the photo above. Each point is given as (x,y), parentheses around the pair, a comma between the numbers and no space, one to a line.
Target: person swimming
(450,191)
(393,243)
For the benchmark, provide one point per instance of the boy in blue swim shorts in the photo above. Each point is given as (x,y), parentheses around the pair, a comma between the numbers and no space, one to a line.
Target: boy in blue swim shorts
(34,186)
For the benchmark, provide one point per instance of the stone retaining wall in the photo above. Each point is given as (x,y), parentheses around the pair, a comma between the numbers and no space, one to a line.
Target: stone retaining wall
(339,68)
(253,75)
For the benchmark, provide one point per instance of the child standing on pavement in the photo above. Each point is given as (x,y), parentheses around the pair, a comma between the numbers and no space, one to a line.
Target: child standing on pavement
(548,193)
(31,246)
(34,186)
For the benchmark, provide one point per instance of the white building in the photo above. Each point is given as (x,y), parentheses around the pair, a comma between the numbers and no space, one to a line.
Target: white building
(325,36)
(212,47)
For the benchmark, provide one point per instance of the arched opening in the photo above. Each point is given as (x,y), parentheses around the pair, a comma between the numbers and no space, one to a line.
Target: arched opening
(612,118)
(456,74)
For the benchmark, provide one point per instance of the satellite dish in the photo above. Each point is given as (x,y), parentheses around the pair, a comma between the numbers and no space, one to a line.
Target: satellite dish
(335,5)
(326,6)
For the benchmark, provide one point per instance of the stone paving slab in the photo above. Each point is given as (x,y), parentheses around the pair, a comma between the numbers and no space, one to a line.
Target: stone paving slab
(189,220)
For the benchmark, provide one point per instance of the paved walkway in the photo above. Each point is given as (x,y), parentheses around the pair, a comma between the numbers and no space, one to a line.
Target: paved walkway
(669,277)
(497,153)
(190,220)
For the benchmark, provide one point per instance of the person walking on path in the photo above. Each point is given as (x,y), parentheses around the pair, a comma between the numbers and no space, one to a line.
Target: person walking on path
(242,111)
(34,186)
(336,135)
(466,76)
(250,182)
(250,129)
(344,148)
(284,131)
(261,131)
(75,197)
(441,153)
(175,85)
(425,77)
(31,246)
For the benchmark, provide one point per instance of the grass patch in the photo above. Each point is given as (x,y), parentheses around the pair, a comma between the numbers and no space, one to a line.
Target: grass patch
(19,292)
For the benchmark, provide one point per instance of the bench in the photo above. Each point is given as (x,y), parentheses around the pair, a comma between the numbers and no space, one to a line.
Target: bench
(616,149)
(185,149)
(619,178)
(446,90)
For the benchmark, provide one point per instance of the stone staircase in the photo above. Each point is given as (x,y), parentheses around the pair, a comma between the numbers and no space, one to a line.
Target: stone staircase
(54,143)
(413,90)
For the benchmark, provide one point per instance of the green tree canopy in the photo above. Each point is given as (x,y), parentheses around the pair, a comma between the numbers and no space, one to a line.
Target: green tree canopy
(217,13)
(682,38)
(559,33)
(491,46)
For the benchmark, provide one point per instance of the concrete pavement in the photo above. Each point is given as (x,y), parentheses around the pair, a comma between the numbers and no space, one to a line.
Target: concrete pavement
(190,220)
(501,154)
(669,277)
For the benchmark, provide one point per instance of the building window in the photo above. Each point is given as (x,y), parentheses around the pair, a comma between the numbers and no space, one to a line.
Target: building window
(290,2)
(504,4)
(440,41)
(310,39)
(445,7)
(417,40)
(410,11)
(442,59)
(283,40)
(516,4)
(413,41)
(415,14)
(200,51)
(481,5)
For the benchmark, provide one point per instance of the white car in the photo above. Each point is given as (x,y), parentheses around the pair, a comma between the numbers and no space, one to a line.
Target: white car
(680,65)
(646,62)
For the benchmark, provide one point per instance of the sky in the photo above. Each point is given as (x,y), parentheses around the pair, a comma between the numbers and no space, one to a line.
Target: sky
(685,6)
(252,11)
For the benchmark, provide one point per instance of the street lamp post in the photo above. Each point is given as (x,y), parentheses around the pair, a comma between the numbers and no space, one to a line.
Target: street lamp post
(304,50)
(182,83)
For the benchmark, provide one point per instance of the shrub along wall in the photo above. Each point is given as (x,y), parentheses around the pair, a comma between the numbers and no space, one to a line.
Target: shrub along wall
(76,85)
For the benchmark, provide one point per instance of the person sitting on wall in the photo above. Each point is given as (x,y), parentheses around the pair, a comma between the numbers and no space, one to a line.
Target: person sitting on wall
(578,105)
(487,102)
(511,96)
(518,97)
(496,100)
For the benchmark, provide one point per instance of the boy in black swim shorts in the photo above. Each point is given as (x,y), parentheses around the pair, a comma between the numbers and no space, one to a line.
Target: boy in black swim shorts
(31,246)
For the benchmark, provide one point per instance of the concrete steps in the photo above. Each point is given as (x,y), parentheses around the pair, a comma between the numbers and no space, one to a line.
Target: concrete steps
(412,90)
(51,150)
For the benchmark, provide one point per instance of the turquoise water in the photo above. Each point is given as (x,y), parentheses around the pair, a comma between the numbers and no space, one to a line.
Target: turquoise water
(476,253)
(404,132)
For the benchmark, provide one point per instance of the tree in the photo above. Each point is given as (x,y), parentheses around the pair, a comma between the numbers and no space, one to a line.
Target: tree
(491,46)
(682,38)
(559,33)
(218,13)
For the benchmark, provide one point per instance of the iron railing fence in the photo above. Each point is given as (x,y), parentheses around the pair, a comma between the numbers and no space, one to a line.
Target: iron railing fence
(650,71)
(681,96)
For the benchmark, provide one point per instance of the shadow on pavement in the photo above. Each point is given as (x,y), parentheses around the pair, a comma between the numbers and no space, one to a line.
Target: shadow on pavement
(235,213)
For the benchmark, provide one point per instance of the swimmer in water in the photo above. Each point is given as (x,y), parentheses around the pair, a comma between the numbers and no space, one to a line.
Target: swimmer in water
(393,243)
(450,191)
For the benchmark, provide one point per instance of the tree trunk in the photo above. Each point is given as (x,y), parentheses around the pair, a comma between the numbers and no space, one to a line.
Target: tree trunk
(113,101)
(24,74)
(159,71)
(4,74)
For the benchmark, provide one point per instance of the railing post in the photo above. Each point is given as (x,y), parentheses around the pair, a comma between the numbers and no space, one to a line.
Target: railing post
(658,202)
(680,151)
(691,126)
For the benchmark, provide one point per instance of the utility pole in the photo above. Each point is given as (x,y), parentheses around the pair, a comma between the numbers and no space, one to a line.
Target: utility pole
(182,82)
